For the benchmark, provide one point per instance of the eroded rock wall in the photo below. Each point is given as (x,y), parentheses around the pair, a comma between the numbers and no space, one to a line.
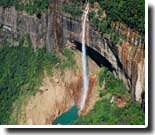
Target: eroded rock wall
(132,58)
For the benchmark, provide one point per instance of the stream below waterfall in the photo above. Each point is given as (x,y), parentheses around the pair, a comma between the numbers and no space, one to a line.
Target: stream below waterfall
(67,117)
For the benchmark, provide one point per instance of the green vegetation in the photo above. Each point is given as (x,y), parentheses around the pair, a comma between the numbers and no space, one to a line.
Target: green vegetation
(106,113)
(72,10)
(69,59)
(113,85)
(19,66)
(21,73)
(31,6)
(120,10)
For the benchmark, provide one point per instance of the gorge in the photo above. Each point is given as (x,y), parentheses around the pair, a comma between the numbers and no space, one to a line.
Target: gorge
(56,30)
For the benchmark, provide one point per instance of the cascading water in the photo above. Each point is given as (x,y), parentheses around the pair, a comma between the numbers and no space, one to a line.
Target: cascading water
(84,61)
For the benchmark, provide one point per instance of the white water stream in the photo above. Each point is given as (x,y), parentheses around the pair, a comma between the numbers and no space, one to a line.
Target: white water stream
(84,61)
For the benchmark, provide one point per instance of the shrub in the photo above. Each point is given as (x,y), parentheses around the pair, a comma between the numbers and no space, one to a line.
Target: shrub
(68,61)
(105,113)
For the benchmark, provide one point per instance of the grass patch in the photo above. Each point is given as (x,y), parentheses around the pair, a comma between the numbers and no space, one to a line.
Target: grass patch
(68,61)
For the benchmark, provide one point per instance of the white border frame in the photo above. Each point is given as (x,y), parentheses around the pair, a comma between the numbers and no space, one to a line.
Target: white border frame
(106,126)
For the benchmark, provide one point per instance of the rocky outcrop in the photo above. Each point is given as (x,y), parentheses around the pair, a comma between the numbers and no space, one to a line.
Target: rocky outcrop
(119,101)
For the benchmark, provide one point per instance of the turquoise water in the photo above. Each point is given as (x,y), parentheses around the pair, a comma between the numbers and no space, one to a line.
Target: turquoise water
(67,117)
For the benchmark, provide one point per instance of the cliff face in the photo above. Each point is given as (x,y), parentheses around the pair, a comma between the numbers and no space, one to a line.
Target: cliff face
(132,55)
(54,29)
(19,24)
(132,58)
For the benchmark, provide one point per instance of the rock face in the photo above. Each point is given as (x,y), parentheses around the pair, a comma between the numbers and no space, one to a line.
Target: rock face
(20,23)
(132,58)
(55,29)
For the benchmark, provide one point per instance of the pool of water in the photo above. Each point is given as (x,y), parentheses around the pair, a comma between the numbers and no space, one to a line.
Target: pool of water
(68,117)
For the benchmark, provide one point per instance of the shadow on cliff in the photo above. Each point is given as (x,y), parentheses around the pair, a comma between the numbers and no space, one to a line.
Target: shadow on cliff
(100,60)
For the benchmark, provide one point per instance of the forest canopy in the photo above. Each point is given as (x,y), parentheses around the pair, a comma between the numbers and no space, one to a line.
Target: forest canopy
(131,12)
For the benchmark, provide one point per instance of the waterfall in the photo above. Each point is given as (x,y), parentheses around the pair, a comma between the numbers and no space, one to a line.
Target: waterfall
(84,61)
